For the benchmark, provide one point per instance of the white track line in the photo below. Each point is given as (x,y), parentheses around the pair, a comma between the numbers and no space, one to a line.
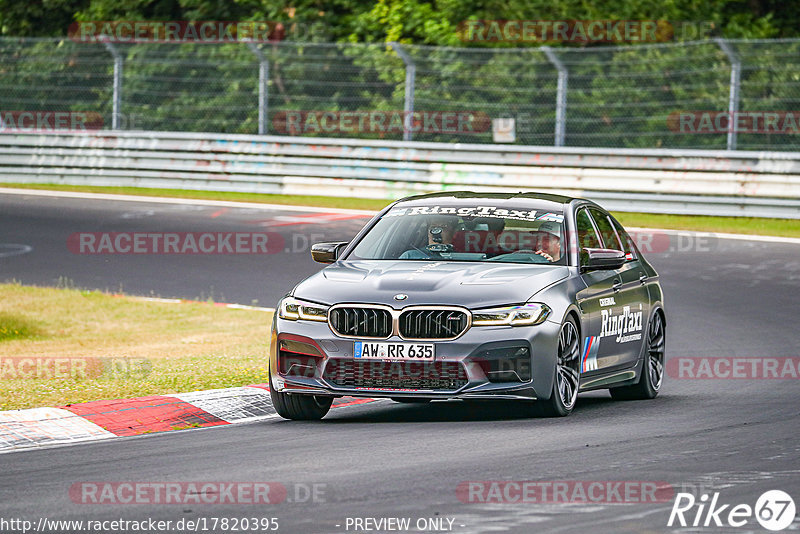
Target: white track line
(190,201)
(282,207)
(745,237)
(185,301)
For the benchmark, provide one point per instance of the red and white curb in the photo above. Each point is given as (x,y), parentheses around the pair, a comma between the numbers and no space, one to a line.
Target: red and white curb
(40,427)
(105,419)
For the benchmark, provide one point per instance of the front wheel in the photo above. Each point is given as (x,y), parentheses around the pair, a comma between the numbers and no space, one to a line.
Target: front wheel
(567,374)
(652,368)
(299,407)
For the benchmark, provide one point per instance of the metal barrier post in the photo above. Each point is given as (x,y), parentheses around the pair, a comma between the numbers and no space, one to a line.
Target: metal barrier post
(116,104)
(408,104)
(561,95)
(263,80)
(733,96)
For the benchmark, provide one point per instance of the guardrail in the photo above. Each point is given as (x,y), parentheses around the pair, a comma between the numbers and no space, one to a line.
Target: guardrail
(734,183)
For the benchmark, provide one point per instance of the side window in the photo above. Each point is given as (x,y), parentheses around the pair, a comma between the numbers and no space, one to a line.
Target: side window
(607,232)
(587,236)
(627,242)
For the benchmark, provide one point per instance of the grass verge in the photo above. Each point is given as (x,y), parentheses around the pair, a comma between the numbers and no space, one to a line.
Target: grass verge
(79,346)
(734,225)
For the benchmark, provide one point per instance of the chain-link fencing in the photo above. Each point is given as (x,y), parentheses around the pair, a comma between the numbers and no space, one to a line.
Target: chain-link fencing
(644,96)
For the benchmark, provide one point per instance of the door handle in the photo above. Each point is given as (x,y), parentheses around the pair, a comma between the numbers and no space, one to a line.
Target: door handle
(617,284)
(642,278)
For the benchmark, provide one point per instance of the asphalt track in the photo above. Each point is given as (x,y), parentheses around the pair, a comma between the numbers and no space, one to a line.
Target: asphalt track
(736,437)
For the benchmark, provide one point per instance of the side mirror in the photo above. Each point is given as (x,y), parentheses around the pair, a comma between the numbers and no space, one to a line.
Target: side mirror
(601,258)
(326,252)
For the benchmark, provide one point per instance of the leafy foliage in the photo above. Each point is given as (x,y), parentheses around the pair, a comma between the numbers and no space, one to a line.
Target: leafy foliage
(410,21)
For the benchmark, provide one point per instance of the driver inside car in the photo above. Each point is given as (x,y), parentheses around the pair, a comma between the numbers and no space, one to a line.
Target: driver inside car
(440,239)
(551,245)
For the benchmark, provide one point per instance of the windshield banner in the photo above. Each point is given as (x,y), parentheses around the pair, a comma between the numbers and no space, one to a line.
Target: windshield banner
(478,211)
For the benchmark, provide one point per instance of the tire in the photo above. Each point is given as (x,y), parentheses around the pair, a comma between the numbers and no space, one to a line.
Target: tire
(402,400)
(299,407)
(567,374)
(652,375)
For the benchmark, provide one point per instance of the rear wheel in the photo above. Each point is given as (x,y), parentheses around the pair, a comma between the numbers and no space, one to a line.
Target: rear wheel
(652,368)
(299,407)
(567,376)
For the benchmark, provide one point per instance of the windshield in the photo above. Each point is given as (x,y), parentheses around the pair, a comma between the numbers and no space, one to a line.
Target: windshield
(465,233)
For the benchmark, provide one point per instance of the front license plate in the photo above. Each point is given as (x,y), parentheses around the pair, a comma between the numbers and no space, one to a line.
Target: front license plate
(418,352)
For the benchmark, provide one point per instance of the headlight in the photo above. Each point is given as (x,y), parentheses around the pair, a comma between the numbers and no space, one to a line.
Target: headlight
(525,315)
(293,309)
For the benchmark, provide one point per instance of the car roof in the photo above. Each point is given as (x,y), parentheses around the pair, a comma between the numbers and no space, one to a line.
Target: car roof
(545,201)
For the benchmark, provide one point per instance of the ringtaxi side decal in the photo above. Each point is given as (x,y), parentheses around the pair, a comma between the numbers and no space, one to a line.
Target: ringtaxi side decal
(622,325)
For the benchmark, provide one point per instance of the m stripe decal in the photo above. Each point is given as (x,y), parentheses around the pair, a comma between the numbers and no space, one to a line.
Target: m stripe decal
(591,345)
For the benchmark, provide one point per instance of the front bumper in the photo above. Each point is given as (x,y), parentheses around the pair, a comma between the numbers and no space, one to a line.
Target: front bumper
(497,362)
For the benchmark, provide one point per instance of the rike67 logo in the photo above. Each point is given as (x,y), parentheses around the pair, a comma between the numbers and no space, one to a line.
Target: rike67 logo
(774,510)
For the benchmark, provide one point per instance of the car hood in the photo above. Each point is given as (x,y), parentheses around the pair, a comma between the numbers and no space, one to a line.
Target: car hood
(474,285)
